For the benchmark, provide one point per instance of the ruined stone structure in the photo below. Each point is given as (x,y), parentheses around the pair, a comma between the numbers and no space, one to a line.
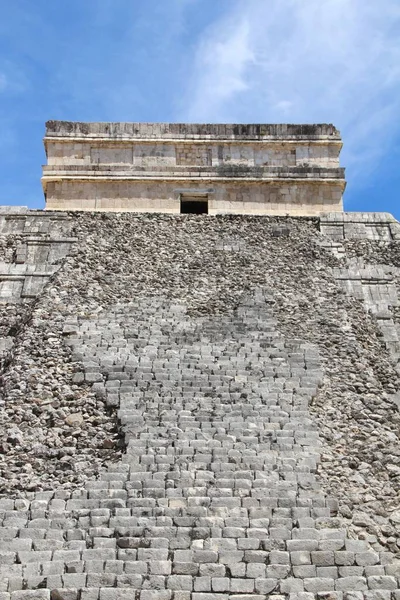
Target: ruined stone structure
(196,407)
(174,168)
(199,409)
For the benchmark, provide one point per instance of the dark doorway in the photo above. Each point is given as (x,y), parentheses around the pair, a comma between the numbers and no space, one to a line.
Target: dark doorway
(194,206)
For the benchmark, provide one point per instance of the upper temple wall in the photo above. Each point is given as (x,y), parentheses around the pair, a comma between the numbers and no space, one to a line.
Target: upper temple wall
(102,155)
(278,154)
(186,145)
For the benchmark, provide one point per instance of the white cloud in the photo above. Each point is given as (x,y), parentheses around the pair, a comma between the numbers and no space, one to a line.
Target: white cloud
(226,60)
(304,61)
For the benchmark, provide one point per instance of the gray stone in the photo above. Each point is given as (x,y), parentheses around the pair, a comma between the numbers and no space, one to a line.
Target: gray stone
(383,582)
(232,506)
(30,595)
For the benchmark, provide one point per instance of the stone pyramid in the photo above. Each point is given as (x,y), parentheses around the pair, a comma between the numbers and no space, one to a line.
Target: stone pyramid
(199,407)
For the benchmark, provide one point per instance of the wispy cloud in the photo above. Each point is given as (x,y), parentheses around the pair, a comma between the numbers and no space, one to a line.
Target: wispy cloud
(13,79)
(304,61)
(222,63)
(203,60)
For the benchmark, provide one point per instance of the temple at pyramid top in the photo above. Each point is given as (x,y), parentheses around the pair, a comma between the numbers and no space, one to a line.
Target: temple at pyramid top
(177,168)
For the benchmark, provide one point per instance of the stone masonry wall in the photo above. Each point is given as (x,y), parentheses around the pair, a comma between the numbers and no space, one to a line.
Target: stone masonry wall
(192,154)
(137,167)
(227,197)
(196,408)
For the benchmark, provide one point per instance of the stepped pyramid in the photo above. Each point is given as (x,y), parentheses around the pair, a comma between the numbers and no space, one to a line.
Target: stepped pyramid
(198,406)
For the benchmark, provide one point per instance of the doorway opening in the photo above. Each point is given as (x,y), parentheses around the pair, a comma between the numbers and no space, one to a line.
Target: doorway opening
(194,205)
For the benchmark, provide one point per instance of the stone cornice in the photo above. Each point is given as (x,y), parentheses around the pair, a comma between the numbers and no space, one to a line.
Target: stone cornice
(183,131)
(338,182)
(226,171)
(322,141)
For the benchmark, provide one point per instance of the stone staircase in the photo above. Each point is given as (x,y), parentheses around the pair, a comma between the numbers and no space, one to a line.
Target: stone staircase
(216,497)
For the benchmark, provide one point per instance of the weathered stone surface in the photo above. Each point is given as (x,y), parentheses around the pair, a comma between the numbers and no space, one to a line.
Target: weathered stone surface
(226,387)
(173,168)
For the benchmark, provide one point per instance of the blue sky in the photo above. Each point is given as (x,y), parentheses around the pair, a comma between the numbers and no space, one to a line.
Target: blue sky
(266,61)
